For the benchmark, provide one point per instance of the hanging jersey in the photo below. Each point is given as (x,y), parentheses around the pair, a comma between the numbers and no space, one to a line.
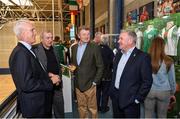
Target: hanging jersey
(171,40)
(178,46)
(139,39)
(148,37)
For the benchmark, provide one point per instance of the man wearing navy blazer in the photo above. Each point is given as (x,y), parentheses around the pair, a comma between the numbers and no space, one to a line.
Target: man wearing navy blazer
(34,87)
(132,77)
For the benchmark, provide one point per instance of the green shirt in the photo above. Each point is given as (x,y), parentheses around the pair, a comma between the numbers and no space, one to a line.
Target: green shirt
(60,50)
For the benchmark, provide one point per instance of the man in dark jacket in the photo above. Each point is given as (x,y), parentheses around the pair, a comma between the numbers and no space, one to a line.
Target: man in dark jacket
(103,86)
(49,58)
(32,82)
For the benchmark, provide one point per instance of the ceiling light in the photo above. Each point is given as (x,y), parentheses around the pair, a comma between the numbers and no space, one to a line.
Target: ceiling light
(17,2)
(165,17)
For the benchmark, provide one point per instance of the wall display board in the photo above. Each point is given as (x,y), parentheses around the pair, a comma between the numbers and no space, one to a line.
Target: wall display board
(132,17)
(146,12)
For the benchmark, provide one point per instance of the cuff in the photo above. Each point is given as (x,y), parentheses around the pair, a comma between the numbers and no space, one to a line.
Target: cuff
(94,83)
(136,101)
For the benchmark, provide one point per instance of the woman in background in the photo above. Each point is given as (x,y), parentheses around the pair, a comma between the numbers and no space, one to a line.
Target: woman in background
(164,84)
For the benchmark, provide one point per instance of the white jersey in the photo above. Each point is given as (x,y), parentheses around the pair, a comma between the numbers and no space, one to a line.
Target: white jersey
(171,40)
(139,39)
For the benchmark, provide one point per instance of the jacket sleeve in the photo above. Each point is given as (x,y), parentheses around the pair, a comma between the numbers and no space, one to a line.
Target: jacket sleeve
(99,64)
(172,79)
(21,68)
(146,76)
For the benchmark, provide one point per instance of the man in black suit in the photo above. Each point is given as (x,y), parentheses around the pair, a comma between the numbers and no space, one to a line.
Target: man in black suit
(132,77)
(103,87)
(34,87)
(50,59)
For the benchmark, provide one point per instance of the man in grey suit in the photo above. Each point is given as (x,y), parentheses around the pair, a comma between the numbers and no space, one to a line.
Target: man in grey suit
(86,57)
(50,60)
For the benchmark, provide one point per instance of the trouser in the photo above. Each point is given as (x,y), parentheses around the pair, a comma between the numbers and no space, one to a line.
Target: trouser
(156,103)
(87,101)
(58,104)
(102,94)
(130,111)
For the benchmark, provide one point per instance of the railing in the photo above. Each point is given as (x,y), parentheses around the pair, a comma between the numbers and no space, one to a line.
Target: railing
(8,107)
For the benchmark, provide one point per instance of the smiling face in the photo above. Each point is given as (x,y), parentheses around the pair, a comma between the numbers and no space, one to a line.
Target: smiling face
(84,36)
(125,41)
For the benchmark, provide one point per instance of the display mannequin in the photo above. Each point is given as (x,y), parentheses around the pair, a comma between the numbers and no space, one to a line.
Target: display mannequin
(169,33)
(139,38)
(178,45)
(149,34)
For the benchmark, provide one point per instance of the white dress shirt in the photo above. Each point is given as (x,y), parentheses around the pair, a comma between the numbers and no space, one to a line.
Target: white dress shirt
(28,46)
(121,65)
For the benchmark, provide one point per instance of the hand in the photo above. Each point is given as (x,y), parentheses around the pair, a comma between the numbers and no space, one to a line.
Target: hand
(172,99)
(54,78)
(72,68)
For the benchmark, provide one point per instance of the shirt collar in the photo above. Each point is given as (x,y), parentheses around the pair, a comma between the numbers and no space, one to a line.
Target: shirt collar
(129,51)
(28,46)
(82,43)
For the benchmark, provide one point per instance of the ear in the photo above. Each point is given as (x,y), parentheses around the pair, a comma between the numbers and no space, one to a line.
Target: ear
(78,36)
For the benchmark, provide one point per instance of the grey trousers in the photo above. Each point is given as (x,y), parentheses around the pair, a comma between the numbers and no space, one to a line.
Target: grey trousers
(156,104)
(58,104)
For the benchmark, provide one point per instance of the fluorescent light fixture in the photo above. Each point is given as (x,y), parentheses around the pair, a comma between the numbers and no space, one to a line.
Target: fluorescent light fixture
(18,2)
(140,23)
(165,17)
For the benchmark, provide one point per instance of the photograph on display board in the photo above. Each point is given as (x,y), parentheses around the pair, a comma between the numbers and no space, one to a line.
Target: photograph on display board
(167,7)
(132,17)
(146,12)
(176,4)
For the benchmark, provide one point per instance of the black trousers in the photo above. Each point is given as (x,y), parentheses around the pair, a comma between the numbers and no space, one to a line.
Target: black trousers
(130,111)
(102,94)
(58,104)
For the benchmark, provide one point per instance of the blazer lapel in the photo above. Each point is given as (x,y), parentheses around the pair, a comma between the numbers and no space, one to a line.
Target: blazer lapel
(117,59)
(21,45)
(42,56)
(75,50)
(130,61)
(85,53)
(56,55)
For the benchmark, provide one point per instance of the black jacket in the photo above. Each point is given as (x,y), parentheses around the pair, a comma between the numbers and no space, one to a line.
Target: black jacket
(32,83)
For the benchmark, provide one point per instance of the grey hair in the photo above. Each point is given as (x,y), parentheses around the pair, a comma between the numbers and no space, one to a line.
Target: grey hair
(131,34)
(98,33)
(43,32)
(19,27)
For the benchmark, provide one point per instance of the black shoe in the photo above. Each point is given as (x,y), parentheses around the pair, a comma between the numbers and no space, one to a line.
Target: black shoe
(105,110)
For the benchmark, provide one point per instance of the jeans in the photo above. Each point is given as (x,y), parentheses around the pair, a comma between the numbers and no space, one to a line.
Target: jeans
(156,103)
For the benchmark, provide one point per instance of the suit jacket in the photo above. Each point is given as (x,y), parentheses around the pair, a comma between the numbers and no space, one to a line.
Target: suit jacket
(107,56)
(40,53)
(90,68)
(32,83)
(136,78)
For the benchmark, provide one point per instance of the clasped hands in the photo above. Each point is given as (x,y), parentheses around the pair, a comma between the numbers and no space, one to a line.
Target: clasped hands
(54,78)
